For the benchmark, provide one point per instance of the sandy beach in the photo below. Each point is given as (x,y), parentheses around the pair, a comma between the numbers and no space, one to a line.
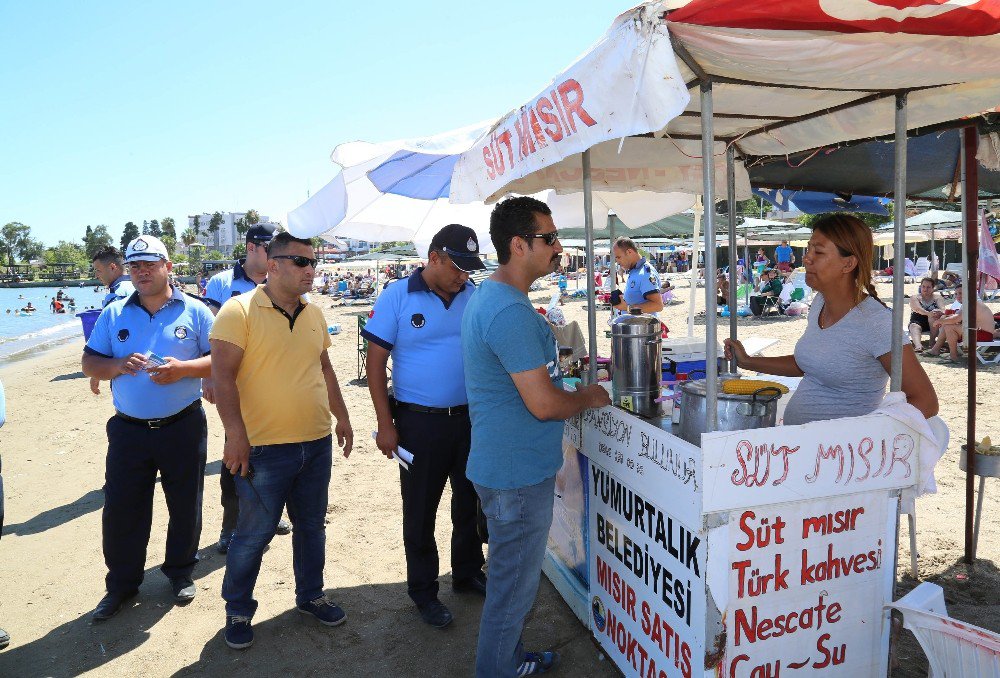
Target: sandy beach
(52,569)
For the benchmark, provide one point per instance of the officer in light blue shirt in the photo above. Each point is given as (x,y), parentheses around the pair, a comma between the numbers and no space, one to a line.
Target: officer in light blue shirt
(109,268)
(418,322)
(154,348)
(247,273)
(642,287)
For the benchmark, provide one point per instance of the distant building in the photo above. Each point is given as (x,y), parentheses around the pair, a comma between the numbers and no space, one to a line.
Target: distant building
(227,236)
(338,249)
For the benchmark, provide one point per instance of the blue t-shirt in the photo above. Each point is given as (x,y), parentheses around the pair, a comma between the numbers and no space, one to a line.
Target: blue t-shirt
(424,336)
(178,330)
(503,335)
(119,289)
(783,253)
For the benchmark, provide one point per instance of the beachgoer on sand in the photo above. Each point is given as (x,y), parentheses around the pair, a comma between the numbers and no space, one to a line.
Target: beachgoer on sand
(518,407)
(277,394)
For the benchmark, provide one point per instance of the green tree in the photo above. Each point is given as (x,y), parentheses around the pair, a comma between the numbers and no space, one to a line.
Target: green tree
(130,233)
(242,226)
(96,239)
(215,222)
(13,237)
(67,253)
(145,227)
(154,229)
(214,255)
(169,228)
(170,243)
(189,237)
(252,217)
(239,250)
(196,224)
(32,249)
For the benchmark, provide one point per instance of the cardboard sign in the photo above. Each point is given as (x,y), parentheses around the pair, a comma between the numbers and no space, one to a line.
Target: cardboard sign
(803,587)
(647,582)
(651,461)
(821,459)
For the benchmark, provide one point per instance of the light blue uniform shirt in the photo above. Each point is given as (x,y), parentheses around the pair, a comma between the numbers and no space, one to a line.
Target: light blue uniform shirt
(642,279)
(502,334)
(178,330)
(119,289)
(227,284)
(783,253)
(424,336)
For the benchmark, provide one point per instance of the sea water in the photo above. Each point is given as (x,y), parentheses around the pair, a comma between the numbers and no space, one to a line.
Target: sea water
(23,334)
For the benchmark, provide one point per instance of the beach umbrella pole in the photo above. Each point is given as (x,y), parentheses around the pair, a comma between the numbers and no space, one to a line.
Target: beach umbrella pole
(588,223)
(898,271)
(733,282)
(711,319)
(970,218)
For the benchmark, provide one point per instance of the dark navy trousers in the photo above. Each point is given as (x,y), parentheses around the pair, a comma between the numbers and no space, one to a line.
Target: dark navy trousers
(136,454)
(440,447)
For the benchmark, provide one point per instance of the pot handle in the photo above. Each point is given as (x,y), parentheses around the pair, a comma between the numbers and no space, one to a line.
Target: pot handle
(771,391)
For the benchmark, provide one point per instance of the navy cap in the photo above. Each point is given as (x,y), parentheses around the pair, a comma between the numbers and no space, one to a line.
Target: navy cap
(461,244)
(259,233)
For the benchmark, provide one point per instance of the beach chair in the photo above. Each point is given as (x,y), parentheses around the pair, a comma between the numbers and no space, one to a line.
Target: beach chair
(922,268)
(362,349)
(988,352)
(954,648)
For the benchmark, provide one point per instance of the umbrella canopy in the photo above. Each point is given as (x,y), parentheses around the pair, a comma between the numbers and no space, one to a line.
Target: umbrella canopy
(814,202)
(936,219)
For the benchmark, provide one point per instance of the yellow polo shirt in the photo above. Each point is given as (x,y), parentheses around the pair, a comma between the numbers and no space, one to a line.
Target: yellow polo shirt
(283,395)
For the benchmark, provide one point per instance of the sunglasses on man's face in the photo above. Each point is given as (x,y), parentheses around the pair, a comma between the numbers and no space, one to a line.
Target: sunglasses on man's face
(550,238)
(299,261)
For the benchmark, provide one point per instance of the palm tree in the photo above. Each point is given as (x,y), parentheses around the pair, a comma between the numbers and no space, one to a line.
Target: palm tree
(189,236)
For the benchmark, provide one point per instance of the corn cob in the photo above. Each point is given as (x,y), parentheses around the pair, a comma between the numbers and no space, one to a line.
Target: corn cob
(748,386)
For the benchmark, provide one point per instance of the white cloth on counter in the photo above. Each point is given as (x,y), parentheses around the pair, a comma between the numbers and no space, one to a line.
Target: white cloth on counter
(928,450)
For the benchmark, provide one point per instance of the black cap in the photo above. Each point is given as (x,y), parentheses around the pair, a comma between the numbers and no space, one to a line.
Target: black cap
(259,233)
(461,244)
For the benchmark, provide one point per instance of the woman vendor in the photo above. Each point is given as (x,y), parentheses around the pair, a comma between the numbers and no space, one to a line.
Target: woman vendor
(844,355)
(926,306)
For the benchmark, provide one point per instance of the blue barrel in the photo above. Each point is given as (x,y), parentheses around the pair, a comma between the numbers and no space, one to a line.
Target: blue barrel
(88,319)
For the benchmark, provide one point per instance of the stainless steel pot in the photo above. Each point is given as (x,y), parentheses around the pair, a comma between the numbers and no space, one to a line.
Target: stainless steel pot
(636,364)
(736,411)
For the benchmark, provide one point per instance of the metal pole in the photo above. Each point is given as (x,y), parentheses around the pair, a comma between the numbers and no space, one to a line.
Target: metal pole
(711,320)
(733,281)
(899,241)
(970,216)
(588,224)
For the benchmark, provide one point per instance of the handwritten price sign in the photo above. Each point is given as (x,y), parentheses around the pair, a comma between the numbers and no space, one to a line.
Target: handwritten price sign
(795,463)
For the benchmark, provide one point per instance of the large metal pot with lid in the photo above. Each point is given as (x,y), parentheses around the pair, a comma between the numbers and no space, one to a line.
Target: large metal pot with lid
(636,363)
(736,411)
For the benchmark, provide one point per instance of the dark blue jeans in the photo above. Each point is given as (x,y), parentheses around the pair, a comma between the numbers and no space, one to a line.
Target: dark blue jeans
(292,474)
(519,520)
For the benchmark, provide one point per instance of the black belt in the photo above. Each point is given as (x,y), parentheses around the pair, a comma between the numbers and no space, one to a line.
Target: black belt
(163,421)
(450,411)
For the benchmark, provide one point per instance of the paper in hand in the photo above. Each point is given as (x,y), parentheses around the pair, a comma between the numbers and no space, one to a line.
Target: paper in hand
(153,361)
(401,455)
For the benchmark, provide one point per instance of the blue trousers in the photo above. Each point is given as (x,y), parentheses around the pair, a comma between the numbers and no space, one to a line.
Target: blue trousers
(135,454)
(296,474)
(519,520)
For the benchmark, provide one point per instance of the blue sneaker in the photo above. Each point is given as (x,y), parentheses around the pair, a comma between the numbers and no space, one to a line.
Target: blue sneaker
(325,611)
(239,633)
(538,662)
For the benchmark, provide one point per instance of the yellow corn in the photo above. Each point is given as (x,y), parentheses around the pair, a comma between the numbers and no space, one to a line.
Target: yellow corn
(747,386)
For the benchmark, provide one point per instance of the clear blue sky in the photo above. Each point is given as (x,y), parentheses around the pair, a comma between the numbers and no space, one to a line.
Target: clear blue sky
(116,111)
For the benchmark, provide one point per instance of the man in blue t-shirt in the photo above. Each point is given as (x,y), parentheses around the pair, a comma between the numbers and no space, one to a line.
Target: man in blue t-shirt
(517,405)
(784,257)
(418,322)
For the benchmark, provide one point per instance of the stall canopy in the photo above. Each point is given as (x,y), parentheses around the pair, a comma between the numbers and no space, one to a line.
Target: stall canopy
(936,219)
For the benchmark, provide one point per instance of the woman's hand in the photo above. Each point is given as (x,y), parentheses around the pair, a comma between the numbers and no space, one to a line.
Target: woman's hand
(734,348)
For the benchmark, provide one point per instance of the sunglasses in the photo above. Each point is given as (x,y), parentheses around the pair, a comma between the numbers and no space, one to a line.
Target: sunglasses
(299,261)
(550,238)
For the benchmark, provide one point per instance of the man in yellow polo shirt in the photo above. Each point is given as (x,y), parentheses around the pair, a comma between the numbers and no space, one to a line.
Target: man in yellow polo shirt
(276,391)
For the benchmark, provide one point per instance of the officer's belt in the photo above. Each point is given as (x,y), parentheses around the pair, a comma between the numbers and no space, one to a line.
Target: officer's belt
(164,421)
(450,411)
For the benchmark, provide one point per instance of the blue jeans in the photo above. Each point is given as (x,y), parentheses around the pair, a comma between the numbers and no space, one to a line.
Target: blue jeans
(292,474)
(519,521)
